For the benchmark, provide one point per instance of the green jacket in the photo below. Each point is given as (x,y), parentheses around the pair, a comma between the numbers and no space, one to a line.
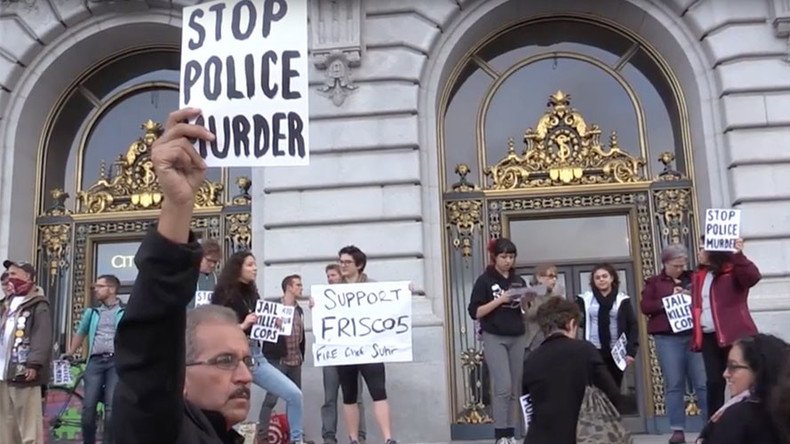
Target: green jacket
(90,323)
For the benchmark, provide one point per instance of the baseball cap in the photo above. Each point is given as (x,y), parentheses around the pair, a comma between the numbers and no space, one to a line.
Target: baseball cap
(29,269)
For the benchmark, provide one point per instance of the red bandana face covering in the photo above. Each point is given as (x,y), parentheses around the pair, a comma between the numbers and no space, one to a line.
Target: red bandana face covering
(21,287)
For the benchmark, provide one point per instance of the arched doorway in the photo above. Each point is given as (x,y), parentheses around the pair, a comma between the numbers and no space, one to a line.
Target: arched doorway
(600,173)
(96,148)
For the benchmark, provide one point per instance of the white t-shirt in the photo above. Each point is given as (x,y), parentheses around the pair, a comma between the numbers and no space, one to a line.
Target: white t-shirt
(7,338)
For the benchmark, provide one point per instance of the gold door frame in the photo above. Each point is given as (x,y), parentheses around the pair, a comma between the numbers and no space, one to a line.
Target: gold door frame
(562,170)
(122,206)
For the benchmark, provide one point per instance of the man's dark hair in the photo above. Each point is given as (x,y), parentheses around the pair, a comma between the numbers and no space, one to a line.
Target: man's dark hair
(211,247)
(555,314)
(288,279)
(4,276)
(111,279)
(360,259)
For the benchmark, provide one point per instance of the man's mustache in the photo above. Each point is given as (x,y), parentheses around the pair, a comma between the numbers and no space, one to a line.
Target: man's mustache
(241,392)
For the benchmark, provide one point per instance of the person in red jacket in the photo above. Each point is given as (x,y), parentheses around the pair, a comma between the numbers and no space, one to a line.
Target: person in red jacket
(678,363)
(719,292)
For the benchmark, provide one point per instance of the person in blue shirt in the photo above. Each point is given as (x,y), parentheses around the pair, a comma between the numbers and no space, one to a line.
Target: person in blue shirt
(98,324)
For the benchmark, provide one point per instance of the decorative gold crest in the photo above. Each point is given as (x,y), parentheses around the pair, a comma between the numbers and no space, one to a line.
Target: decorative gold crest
(133,185)
(564,150)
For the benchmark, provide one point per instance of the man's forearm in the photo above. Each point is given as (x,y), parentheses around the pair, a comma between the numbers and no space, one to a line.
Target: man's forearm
(75,343)
(174,221)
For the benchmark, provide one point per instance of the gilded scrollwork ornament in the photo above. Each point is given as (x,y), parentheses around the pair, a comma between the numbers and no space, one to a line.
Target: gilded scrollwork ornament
(473,410)
(564,150)
(55,240)
(239,231)
(58,207)
(132,183)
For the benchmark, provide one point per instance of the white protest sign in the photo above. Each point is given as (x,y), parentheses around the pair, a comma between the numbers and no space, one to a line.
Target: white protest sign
(286,313)
(722,229)
(266,329)
(678,309)
(619,353)
(61,373)
(203,298)
(362,323)
(244,64)
(526,409)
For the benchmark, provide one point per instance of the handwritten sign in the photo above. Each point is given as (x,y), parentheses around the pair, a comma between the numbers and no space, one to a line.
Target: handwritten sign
(619,353)
(678,309)
(270,314)
(526,409)
(362,323)
(722,229)
(203,298)
(244,64)
(61,373)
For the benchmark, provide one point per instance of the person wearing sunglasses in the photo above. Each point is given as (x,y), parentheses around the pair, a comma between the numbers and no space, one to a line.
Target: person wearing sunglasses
(183,378)
(753,371)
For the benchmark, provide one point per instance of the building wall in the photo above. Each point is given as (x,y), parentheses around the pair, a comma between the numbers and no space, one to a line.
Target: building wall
(373,180)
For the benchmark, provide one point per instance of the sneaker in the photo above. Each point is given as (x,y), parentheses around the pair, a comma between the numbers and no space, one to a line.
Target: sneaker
(391,441)
(512,440)
(503,441)
(330,441)
(677,437)
(362,439)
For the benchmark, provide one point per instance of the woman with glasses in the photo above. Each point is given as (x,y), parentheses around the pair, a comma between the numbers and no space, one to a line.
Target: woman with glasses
(753,368)
(499,309)
(720,311)
(236,289)
(544,280)
(678,363)
(607,314)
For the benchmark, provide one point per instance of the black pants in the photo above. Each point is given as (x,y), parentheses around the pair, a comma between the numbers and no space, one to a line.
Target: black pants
(614,370)
(715,359)
(374,378)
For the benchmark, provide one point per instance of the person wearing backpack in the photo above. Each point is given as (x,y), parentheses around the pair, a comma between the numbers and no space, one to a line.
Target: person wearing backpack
(98,324)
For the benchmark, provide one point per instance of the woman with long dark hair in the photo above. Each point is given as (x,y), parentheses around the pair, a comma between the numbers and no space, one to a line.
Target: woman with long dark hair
(607,314)
(753,368)
(500,313)
(236,289)
(720,311)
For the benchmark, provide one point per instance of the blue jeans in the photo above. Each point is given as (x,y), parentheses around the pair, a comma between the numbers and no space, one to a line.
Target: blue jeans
(679,364)
(266,376)
(100,379)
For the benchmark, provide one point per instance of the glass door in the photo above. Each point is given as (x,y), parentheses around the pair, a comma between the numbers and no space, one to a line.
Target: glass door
(575,245)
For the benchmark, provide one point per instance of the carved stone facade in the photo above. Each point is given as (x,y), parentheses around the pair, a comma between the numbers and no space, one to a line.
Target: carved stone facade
(336,44)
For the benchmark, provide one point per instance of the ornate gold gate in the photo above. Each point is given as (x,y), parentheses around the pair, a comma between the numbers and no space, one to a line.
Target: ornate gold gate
(563,169)
(119,207)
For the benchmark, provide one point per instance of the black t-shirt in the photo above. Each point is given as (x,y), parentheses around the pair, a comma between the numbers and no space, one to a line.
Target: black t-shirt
(505,320)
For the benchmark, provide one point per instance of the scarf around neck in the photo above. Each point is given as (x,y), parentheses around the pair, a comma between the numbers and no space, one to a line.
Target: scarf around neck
(605,304)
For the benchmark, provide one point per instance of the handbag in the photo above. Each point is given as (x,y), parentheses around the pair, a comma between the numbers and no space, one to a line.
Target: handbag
(278,432)
(599,421)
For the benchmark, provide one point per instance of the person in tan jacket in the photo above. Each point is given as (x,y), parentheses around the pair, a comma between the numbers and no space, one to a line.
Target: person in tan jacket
(544,280)
(25,345)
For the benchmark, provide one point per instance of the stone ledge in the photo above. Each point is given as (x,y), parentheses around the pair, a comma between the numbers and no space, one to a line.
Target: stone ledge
(758,145)
(380,64)
(346,170)
(743,40)
(402,239)
(437,11)
(708,15)
(328,135)
(754,76)
(368,98)
(320,206)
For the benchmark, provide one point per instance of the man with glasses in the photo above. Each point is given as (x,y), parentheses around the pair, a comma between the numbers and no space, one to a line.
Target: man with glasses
(98,324)
(183,378)
(207,280)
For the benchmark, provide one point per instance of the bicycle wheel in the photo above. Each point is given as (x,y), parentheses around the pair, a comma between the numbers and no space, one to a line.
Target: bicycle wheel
(62,413)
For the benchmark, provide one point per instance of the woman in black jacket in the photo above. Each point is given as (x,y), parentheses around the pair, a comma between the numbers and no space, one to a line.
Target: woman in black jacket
(501,318)
(236,289)
(558,372)
(607,314)
(754,366)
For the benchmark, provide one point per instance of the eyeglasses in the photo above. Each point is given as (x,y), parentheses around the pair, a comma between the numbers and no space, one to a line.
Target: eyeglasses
(227,362)
(733,367)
